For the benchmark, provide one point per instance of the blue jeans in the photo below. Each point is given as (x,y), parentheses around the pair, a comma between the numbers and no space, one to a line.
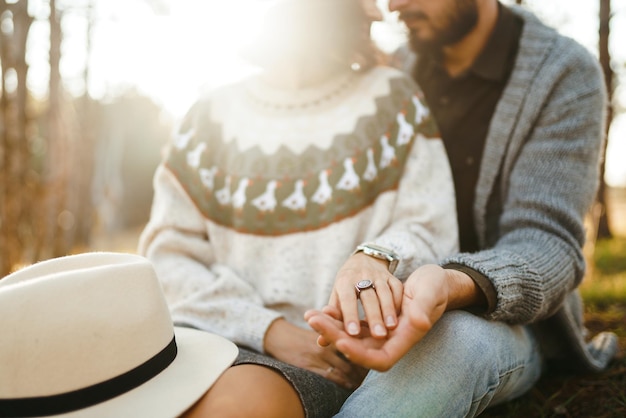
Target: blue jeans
(462,366)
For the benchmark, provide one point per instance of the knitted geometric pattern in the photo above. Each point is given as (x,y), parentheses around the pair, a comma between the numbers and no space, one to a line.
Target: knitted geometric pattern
(285,192)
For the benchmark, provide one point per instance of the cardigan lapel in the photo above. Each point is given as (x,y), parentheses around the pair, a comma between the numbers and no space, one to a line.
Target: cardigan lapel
(512,120)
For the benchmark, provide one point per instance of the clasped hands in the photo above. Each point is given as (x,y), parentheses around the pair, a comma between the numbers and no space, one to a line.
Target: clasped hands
(397,315)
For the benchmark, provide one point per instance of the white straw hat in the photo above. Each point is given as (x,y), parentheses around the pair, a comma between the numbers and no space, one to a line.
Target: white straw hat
(90,335)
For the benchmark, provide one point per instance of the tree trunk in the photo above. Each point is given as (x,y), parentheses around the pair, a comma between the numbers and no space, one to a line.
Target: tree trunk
(5,141)
(15,175)
(85,217)
(604,230)
(59,157)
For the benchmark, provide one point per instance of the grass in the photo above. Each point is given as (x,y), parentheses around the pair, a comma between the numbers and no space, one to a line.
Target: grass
(590,396)
(607,284)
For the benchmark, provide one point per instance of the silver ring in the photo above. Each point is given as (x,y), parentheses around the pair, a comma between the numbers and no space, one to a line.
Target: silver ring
(362,285)
(330,370)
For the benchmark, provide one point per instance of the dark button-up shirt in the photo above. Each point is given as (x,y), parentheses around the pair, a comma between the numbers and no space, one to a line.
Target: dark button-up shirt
(463,107)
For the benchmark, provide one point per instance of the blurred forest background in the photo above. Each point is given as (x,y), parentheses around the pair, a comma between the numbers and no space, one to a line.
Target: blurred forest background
(76,162)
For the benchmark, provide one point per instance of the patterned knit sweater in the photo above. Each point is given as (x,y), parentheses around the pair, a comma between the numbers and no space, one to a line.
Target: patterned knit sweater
(265,193)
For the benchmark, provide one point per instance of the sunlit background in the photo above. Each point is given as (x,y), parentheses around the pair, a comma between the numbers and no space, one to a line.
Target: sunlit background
(171,51)
(130,69)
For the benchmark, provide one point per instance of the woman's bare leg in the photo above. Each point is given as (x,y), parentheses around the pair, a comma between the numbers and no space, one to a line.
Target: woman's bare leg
(248,390)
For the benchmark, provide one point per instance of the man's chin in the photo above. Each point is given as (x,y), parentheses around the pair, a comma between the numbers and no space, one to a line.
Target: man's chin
(420,45)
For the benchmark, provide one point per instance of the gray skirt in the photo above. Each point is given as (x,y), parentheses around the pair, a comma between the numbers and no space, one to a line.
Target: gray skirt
(320,397)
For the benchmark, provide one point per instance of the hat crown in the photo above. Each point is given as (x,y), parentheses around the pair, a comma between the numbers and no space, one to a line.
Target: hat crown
(72,322)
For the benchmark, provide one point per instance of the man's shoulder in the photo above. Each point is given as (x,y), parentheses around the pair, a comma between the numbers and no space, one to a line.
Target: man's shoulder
(537,35)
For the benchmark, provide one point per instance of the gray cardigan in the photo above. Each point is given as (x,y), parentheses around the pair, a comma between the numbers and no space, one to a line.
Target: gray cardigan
(538,179)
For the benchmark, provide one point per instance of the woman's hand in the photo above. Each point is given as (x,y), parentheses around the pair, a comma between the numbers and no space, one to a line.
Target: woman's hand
(296,346)
(380,303)
(428,293)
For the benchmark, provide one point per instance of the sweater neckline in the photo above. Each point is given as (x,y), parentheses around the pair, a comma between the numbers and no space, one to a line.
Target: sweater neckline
(320,95)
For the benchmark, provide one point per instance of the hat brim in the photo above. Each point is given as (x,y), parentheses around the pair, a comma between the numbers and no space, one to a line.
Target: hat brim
(202,357)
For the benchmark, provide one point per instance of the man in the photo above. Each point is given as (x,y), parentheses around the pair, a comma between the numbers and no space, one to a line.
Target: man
(521,111)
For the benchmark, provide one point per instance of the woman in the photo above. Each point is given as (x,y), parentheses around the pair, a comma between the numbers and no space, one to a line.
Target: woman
(270,186)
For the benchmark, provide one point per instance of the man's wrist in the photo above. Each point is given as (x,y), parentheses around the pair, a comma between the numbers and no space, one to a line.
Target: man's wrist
(484,284)
(464,292)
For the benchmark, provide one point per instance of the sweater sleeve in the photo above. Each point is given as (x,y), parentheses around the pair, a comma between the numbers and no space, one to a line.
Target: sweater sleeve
(201,293)
(548,183)
(424,227)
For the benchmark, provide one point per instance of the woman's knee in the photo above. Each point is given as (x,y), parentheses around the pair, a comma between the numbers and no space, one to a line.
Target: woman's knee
(249,390)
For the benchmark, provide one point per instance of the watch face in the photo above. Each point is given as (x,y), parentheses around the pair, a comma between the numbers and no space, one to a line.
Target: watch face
(381,253)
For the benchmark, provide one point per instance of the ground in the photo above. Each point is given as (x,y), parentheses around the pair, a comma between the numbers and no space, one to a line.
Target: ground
(590,396)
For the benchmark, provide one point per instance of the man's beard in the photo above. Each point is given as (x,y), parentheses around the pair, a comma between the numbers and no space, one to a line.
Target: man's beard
(457,24)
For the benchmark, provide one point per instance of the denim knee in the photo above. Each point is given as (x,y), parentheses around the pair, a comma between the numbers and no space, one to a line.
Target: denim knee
(455,371)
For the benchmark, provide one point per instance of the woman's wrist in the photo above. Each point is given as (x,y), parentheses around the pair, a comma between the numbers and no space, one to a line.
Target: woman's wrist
(273,335)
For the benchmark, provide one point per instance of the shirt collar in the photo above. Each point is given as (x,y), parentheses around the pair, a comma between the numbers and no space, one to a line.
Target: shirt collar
(493,62)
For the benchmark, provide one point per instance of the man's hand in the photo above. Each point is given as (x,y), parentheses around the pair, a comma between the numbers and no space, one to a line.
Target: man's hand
(428,293)
(296,346)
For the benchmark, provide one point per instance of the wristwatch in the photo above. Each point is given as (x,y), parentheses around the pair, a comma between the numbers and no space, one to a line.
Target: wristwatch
(381,253)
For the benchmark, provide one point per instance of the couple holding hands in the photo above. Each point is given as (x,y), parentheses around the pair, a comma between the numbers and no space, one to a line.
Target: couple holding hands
(380,242)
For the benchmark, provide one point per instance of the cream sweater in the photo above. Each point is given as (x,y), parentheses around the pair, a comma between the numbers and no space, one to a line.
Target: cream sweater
(265,193)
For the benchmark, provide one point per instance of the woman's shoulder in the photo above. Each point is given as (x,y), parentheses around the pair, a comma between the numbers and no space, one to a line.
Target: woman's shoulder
(392,81)
(230,90)
(386,73)
(226,95)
